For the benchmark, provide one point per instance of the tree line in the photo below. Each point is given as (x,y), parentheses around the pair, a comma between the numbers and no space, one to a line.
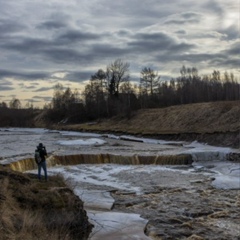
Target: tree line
(111,92)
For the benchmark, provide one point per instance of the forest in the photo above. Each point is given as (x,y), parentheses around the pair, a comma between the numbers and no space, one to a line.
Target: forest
(111,92)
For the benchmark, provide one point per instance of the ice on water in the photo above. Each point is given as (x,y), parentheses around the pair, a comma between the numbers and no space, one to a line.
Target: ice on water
(85,179)
(23,141)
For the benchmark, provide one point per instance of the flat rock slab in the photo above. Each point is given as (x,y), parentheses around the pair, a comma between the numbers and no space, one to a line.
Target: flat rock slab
(117,226)
(95,199)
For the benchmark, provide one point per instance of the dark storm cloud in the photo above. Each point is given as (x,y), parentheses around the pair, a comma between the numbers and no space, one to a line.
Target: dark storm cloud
(234,49)
(66,55)
(123,33)
(181,32)
(191,15)
(156,42)
(58,48)
(84,55)
(229,57)
(27,45)
(231,32)
(214,6)
(145,41)
(108,50)
(79,76)
(232,63)
(51,24)
(229,63)
(139,43)
(23,75)
(36,45)
(9,26)
(77,36)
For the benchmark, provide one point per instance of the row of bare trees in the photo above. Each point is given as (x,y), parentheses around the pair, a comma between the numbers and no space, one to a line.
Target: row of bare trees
(191,88)
(111,92)
(13,104)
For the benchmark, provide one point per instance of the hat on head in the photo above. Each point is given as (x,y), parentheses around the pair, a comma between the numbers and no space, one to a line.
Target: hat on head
(40,145)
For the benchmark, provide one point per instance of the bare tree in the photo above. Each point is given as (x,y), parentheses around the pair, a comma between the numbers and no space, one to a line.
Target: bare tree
(149,80)
(3,105)
(57,96)
(15,103)
(100,77)
(95,101)
(117,72)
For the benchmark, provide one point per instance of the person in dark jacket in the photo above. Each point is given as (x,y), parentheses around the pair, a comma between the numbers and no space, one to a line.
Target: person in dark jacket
(42,163)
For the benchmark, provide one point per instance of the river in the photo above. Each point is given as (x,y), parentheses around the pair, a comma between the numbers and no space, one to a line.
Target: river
(123,197)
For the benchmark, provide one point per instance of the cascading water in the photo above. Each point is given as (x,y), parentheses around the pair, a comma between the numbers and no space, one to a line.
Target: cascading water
(54,160)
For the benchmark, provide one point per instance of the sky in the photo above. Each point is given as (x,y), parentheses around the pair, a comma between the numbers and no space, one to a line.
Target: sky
(45,42)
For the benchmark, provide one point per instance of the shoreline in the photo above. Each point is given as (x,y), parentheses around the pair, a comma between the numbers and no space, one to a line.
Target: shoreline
(220,139)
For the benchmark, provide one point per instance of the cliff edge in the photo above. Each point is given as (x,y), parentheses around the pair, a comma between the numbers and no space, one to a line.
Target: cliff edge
(30,209)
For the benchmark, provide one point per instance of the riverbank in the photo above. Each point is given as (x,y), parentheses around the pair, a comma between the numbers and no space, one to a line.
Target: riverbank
(30,209)
(215,123)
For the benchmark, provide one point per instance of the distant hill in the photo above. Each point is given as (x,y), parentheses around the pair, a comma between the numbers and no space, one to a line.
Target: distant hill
(215,123)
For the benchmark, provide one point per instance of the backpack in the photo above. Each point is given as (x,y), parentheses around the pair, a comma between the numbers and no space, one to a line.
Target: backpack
(37,157)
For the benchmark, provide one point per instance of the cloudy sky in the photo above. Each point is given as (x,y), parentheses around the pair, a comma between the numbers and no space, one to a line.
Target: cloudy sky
(44,42)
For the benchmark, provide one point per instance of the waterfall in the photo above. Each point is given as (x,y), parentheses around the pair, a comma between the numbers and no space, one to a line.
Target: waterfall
(26,164)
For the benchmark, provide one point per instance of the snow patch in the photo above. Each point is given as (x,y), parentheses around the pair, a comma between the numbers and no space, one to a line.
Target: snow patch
(81,134)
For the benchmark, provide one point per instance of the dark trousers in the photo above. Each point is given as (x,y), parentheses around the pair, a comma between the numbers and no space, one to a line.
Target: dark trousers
(42,165)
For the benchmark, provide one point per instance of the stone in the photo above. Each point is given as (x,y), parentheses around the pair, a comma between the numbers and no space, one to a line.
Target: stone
(195,237)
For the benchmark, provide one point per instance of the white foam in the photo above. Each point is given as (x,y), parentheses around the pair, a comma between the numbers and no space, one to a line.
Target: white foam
(226,182)
(88,142)
(204,152)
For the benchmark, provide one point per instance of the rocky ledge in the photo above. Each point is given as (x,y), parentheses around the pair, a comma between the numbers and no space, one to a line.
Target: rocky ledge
(30,209)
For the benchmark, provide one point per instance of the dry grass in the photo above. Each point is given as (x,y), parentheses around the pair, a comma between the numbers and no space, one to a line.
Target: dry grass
(215,123)
(30,209)
(190,118)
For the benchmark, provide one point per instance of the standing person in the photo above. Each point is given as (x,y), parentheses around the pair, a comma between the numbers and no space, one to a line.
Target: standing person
(40,158)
